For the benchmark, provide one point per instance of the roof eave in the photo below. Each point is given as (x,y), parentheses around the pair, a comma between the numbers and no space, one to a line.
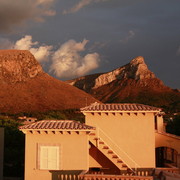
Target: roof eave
(65,130)
(116,111)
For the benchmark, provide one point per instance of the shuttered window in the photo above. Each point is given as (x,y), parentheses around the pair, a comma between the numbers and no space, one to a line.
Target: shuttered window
(49,157)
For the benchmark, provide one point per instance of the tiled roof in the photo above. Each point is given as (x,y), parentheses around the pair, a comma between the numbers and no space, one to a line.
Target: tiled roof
(119,107)
(57,124)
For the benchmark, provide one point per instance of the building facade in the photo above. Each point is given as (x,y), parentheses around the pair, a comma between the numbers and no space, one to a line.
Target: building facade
(53,145)
(115,139)
(127,130)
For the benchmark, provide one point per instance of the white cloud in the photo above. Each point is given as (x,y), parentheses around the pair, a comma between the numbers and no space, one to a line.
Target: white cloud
(129,36)
(24,43)
(41,52)
(13,13)
(68,63)
(81,4)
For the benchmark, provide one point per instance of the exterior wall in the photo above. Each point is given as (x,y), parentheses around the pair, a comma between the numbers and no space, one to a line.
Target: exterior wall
(98,160)
(74,153)
(93,162)
(160,124)
(169,140)
(130,134)
(1,151)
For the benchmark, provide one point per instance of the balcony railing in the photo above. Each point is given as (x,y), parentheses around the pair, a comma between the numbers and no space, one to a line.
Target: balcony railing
(113,177)
(172,170)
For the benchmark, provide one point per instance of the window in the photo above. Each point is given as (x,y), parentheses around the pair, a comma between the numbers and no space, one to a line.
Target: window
(49,157)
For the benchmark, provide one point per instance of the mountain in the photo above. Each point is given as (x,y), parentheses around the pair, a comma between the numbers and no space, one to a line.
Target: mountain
(25,87)
(133,82)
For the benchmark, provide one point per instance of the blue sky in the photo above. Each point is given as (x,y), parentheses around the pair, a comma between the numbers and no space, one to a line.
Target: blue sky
(71,38)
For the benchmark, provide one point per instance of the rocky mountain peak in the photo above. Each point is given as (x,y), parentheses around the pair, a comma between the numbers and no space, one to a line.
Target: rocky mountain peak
(133,82)
(136,69)
(137,60)
(25,87)
(18,66)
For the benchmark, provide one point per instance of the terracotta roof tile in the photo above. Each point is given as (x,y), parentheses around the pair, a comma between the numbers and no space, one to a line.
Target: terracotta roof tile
(57,124)
(120,107)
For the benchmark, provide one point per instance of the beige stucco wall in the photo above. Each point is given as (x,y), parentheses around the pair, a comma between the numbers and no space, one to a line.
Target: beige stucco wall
(74,150)
(98,160)
(167,140)
(133,133)
(1,151)
(160,124)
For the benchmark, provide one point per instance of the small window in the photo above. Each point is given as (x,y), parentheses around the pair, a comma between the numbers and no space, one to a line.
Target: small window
(49,157)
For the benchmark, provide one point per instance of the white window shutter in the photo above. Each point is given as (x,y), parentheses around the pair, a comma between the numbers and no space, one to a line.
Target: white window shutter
(43,157)
(49,157)
(53,160)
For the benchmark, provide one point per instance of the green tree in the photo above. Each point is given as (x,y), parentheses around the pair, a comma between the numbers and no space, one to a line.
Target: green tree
(173,126)
(13,148)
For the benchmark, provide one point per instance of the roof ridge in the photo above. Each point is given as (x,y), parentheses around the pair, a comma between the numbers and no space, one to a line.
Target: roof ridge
(57,124)
(120,107)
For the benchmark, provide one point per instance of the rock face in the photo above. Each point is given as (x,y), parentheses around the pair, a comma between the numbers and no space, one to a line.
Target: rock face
(136,70)
(25,87)
(18,66)
(133,82)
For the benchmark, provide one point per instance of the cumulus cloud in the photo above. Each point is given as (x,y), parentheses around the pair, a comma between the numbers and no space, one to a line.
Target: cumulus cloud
(17,12)
(41,52)
(80,5)
(68,63)
(129,36)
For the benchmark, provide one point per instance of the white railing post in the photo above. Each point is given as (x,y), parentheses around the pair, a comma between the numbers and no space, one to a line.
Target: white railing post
(135,169)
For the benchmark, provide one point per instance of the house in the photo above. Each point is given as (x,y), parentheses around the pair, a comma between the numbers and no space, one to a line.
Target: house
(134,134)
(53,145)
(1,151)
(115,139)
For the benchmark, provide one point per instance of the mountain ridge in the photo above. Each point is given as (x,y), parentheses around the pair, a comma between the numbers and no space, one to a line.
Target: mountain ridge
(133,82)
(25,87)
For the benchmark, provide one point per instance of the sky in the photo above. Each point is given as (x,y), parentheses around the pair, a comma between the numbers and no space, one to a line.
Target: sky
(72,38)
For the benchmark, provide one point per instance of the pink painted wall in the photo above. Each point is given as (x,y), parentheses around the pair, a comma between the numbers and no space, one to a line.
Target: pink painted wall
(74,153)
(132,133)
